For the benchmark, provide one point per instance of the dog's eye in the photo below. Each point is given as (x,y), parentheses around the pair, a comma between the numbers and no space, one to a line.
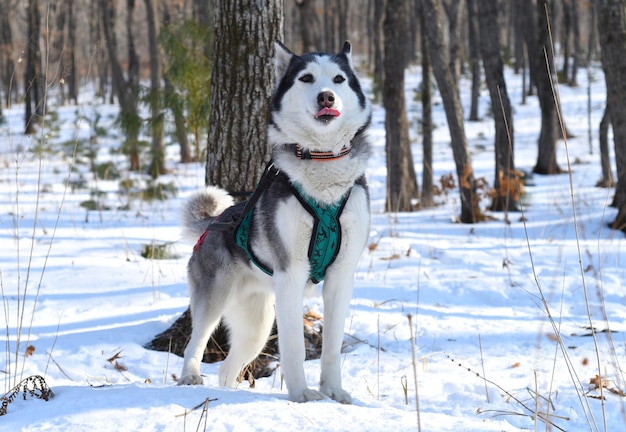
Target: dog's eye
(338,79)
(306,78)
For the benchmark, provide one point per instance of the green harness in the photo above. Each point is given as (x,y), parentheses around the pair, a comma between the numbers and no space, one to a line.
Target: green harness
(325,236)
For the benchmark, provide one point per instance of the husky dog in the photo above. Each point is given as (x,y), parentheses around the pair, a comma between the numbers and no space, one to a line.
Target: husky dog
(307,221)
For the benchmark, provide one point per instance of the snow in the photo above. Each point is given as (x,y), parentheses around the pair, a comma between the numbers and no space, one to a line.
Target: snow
(489,302)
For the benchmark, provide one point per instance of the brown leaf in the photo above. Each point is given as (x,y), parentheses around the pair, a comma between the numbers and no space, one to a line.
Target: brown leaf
(115,357)
(465,178)
(30,350)
(119,367)
(391,258)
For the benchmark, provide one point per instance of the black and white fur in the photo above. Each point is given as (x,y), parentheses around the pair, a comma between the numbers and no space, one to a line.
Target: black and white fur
(225,284)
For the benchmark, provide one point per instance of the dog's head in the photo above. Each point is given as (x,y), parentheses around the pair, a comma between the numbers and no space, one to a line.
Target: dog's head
(318,102)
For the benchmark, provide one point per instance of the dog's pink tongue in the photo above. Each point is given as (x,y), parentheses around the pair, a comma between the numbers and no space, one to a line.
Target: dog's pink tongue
(327,112)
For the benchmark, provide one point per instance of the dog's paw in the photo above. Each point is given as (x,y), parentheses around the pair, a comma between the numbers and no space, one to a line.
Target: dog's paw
(338,394)
(190,380)
(307,395)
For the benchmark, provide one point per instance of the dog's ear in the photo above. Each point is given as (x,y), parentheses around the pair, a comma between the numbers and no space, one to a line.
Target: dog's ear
(347,52)
(282,57)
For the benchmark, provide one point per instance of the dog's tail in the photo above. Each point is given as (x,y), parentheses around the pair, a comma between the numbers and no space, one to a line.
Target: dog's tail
(201,208)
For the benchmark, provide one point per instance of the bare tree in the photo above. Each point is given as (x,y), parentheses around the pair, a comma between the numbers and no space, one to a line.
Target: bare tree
(7,63)
(573,78)
(605,161)
(33,79)
(427,119)
(541,63)
(506,195)
(454,11)
(379,9)
(470,212)
(474,57)
(71,78)
(612,36)
(241,87)
(157,165)
(308,25)
(126,86)
(565,39)
(401,179)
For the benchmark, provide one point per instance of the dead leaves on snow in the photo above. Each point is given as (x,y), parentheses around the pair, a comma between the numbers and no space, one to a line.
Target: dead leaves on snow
(598,383)
(114,361)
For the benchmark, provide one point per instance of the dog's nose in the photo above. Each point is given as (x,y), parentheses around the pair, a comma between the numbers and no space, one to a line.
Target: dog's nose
(326,99)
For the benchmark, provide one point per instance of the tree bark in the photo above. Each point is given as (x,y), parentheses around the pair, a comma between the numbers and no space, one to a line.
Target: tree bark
(605,161)
(474,57)
(7,65)
(567,31)
(402,186)
(174,103)
(309,25)
(470,212)
(379,9)
(157,165)
(518,34)
(573,79)
(507,188)
(541,71)
(242,82)
(33,80)
(126,90)
(427,199)
(454,11)
(612,37)
(72,79)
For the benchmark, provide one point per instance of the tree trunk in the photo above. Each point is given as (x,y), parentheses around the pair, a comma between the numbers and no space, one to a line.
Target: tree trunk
(56,52)
(605,161)
(541,71)
(518,31)
(309,25)
(401,179)
(174,101)
(7,66)
(33,88)
(427,121)
(242,82)
(342,24)
(474,57)
(448,89)
(591,37)
(379,9)
(72,78)
(573,80)
(507,188)
(454,11)
(157,165)
(330,9)
(127,91)
(567,30)
(612,36)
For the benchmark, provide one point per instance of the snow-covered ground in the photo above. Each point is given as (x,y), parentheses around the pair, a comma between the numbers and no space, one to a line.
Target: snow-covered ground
(501,312)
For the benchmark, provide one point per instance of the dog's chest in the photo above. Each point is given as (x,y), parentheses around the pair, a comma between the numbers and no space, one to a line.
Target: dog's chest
(321,240)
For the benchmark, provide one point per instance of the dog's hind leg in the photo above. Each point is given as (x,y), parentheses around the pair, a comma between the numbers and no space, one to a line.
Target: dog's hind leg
(206,312)
(249,324)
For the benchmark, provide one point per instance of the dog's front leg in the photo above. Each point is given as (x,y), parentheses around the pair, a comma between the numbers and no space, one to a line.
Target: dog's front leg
(289,297)
(336,293)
